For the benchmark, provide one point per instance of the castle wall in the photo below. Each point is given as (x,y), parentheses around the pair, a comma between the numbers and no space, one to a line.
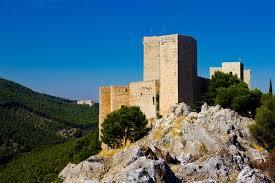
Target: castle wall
(104,104)
(168,95)
(246,78)
(234,67)
(187,69)
(111,98)
(213,70)
(119,97)
(144,95)
(151,46)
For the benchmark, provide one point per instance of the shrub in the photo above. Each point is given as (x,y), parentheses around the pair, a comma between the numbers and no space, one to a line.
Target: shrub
(220,80)
(239,98)
(264,128)
(125,124)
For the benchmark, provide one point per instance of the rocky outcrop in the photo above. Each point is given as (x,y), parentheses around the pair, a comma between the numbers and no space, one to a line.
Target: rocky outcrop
(211,146)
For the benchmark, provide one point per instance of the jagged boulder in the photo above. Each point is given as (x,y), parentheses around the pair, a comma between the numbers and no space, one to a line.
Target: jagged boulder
(90,170)
(249,175)
(213,145)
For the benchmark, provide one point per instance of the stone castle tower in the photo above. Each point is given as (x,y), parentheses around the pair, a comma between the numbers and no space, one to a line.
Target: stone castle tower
(236,68)
(171,60)
(170,77)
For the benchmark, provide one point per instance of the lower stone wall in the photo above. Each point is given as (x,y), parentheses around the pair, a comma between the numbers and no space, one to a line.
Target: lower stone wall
(144,95)
(119,97)
(246,77)
(104,105)
(111,98)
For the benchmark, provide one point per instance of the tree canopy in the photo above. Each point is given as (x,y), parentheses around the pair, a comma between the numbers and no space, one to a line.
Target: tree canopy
(239,98)
(264,128)
(125,124)
(230,92)
(220,80)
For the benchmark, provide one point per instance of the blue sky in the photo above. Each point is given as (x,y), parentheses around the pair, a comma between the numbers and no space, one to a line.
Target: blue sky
(68,48)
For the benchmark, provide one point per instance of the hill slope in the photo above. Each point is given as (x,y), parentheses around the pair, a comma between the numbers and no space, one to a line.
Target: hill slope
(66,111)
(30,119)
(211,146)
(44,164)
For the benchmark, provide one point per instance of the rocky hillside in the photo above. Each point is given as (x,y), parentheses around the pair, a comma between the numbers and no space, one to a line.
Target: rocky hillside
(211,146)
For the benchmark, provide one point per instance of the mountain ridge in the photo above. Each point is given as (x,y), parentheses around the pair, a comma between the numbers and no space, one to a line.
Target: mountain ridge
(30,119)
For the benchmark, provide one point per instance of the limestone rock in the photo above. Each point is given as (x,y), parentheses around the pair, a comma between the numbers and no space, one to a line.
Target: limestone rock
(249,175)
(211,146)
(90,170)
(67,171)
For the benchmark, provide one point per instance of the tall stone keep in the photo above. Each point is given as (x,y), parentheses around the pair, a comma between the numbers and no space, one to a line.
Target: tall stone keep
(151,57)
(178,70)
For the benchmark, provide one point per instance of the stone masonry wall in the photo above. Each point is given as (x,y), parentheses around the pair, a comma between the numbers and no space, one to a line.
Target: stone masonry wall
(119,97)
(246,77)
(111,98)
(151,55)
(187,69)
(143,94)
(234,67)
(213,70)
(104,104)
(168,95)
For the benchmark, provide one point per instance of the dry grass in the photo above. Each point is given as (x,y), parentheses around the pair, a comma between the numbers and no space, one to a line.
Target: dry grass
(258,147)
(107,153)
(157,134)
(268,166)
(201,149)
(176,127)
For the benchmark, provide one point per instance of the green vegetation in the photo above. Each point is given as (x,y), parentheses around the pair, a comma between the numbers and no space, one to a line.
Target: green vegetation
(239,98)
(230,92)
(264,128)
(22,131)
(125,124)
(59,109)
(44,164)
(219,80)
(30,120)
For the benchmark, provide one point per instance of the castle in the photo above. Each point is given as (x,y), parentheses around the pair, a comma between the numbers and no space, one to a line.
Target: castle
(169,77)
(236,68)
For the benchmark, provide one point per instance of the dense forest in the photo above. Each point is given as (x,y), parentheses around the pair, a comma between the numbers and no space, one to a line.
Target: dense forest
(30,120)
(63,110)
(44,164)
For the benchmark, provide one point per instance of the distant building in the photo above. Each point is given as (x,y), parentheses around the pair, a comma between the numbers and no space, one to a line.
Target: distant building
(236,68)
(86,102)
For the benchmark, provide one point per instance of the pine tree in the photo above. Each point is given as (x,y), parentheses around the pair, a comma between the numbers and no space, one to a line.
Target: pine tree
(128,124)
(270,88)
